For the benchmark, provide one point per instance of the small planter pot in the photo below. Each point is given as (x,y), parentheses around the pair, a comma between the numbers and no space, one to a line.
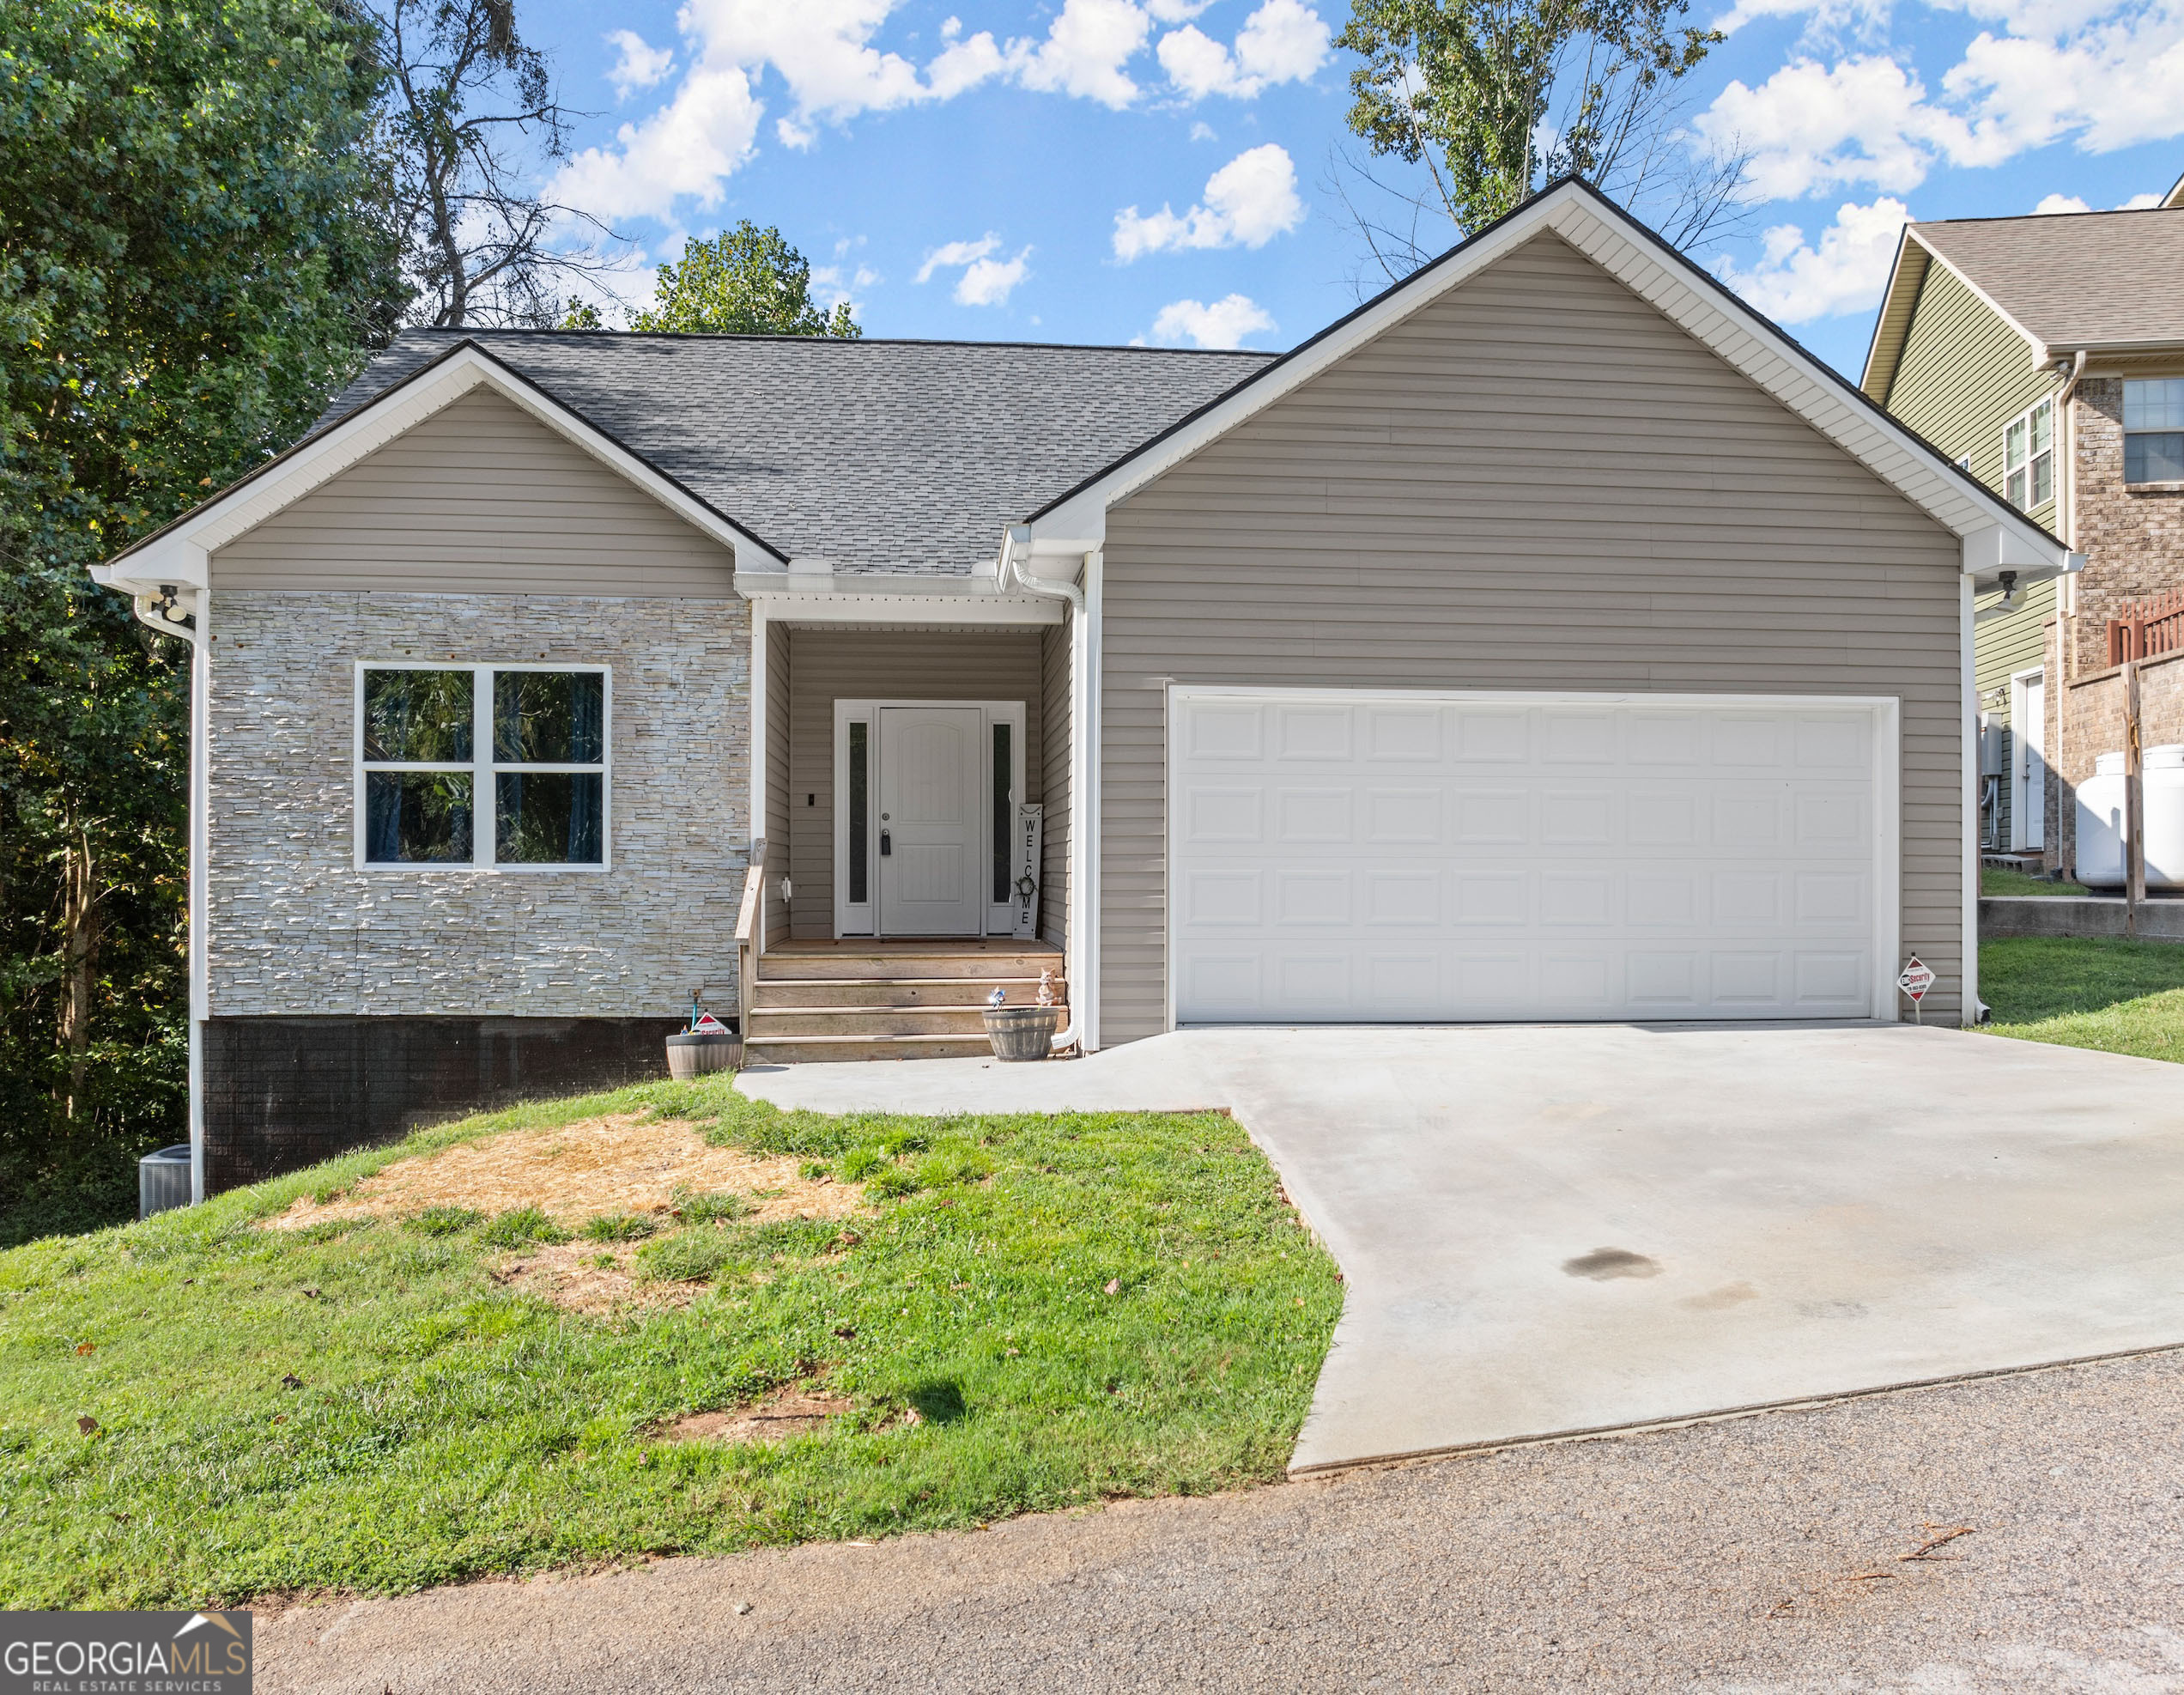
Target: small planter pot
(694,1053)
(1020,1033)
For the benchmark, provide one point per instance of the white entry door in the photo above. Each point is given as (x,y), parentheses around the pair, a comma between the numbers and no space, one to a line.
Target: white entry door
(1352,857)
(2028,792)
(930,809)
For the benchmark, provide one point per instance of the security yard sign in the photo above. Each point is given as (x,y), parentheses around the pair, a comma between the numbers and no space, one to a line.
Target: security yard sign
(1916,979)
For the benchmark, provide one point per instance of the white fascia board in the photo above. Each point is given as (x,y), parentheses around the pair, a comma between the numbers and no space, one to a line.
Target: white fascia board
(181,555)
(873,598)
(1989,552)
(2039,349)
(1715,318)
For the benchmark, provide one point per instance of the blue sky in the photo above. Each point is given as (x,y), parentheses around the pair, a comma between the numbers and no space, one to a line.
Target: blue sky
(1159,170)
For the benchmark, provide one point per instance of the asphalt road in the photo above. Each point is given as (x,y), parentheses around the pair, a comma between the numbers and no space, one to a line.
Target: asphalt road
(1760,1553)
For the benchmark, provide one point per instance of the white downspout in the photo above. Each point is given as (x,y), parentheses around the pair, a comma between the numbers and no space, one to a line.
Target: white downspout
(1973,1010)
(156,612)
(1077,956)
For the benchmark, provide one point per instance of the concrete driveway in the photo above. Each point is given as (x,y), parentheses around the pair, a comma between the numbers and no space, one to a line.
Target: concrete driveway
(1548,1230)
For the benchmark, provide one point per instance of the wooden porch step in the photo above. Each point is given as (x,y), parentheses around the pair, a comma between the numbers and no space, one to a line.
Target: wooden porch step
(842,965)
(894,990)
(767,1024)
(797,1050)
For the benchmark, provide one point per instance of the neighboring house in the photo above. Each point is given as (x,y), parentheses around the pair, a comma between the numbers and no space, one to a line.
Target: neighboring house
(2047,355)
(1549,639)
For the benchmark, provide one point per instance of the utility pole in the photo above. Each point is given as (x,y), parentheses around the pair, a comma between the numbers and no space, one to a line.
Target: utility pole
(2134,806)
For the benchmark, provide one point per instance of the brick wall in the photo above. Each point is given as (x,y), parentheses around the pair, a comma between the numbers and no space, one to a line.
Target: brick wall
(294,928)
(2132,540)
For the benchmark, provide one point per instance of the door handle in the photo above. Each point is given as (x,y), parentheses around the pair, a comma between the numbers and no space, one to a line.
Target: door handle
(886,844)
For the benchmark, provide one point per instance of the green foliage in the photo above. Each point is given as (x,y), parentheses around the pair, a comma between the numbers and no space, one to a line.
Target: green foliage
(2001,880)
(2118,996)
(520,1228)
(705,1209)
(860,1163)
(443,1220)
(620,1227)
(192,256)
(449,1426)
(1467,86)
(744,282)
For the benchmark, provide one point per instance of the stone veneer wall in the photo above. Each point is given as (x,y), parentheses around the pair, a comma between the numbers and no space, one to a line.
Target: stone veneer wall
(2133,539)
(294,928)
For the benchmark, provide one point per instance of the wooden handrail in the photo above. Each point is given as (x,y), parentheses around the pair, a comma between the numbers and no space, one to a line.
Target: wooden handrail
(750,930)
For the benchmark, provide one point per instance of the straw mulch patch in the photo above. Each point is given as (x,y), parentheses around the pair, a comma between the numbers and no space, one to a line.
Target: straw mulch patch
(596,1167)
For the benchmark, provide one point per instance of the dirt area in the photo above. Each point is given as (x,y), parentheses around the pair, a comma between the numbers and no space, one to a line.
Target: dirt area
(787,1414)
(577,1172)
(592,1278)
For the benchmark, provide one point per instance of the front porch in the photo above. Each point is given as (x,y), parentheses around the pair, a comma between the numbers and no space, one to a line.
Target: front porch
(859,999)
(914,787)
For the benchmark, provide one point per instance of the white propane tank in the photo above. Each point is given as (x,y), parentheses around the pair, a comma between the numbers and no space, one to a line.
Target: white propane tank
(2100,824)
(2163,802)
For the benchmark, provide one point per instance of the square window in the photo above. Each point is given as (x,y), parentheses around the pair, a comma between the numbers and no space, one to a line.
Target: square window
(549,717)
(547,817)
(417,817)
(418,717)
(2151,456)
(2156,404)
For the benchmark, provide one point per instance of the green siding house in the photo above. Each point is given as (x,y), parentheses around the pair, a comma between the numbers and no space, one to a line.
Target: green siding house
(2045,355)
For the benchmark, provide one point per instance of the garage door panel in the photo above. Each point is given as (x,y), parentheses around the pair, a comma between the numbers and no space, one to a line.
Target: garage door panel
(1463,860)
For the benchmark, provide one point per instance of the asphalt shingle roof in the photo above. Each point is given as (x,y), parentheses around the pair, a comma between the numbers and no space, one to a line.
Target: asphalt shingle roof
(878,455)
(2085,279)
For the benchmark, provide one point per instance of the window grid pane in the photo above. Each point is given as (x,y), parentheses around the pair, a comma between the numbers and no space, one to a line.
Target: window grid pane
(1001,815)
(859,875)
(418,717)
(417,817)
(2154,456)
(2155,404)
(2043,480)
(547,817)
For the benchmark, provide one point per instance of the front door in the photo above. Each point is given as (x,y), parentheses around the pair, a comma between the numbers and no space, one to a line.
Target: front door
(930,808)
(2029,805)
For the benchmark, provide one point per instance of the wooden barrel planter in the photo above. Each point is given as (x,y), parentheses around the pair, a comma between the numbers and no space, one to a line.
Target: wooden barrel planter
(694,1053)
(1020,1033)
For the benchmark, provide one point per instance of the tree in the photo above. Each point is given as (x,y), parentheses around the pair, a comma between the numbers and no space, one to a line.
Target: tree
(194,246)
(1493,98)
(471,121)
(744,282)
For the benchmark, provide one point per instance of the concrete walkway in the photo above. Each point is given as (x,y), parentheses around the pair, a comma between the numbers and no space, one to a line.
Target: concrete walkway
(1548,1230)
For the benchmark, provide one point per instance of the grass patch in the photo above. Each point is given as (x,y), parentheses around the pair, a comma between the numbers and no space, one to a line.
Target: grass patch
(2121,997)
(620,1227)
(520,1227)
(2001,880)
(370,1408)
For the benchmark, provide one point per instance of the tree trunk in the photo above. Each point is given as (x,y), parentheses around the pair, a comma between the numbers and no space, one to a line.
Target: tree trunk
(79,961)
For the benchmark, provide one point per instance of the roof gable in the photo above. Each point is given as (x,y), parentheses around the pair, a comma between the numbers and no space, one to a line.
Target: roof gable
(1666,280)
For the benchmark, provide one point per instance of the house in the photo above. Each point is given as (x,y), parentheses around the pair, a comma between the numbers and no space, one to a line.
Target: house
(2046,354)
(1550,638)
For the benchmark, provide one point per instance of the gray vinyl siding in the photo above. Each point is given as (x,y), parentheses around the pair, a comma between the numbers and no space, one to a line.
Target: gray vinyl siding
(830,664)
(780,662)
(1053,870)
(1535,482)
(480,498)
(1963,378)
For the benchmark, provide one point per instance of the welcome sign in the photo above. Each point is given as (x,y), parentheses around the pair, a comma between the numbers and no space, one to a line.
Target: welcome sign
(125,1653)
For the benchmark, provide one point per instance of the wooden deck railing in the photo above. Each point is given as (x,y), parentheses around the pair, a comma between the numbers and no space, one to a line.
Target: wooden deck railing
(750,930)
(2146,628)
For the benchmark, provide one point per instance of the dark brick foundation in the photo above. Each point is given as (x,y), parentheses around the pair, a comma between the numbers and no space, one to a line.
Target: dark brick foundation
(284,1093)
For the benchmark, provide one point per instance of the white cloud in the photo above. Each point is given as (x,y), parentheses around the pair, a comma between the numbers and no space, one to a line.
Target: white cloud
(835,285)
(990,281)
(1283,41)
(687,149)
(640,66)
(2055,204)
(1223,324)
(985,281)
(1249,202)
(1203,132)
(1845,270)
(2078,71)
(1085,52)
(958,253)
(2140,203)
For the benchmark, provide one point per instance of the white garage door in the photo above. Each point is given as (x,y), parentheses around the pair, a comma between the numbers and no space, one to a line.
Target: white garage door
(1345,856)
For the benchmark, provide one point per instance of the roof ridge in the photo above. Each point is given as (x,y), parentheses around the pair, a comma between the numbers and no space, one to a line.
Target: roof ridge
(837,341)
(2051,217)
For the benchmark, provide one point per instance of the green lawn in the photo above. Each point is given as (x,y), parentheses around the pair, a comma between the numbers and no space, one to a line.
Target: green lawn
(1998,880)
(1075,1308)
(2122,997)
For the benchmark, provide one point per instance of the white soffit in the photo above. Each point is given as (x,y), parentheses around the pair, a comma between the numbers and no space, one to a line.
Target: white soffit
(1637,259)
(178,554)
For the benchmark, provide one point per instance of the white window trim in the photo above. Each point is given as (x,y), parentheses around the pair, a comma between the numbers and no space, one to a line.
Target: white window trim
(2156,429)
(483,769)
(863,919)
(2031,458)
